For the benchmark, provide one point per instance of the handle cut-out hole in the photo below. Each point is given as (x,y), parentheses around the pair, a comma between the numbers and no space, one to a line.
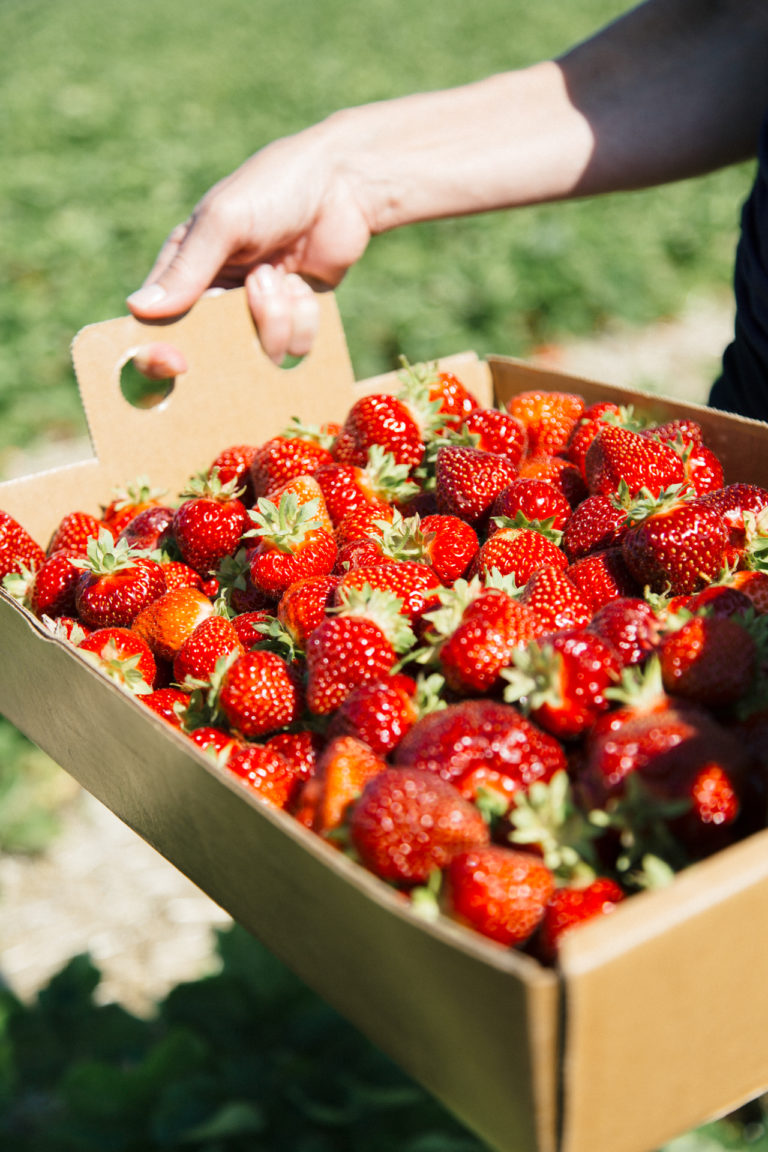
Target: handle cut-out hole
(140,390)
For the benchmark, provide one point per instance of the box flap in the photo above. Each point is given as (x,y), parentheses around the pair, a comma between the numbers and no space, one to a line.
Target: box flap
(666,1006)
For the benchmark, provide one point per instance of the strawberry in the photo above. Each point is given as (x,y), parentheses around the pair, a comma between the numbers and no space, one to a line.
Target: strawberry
(538,501)
(248,626)
(481,743)
(214,637)
(53,587)
(259,694)
(123,657)
(499,432)
(73,533)
(710,659)
(681,431)
(555,600)
(378,712)
(301,750)
(453,400)
(366,520)
(408,822)
(347,487)
(570,906)
(561,681)
(589,424)
(618,454)
(294,538)
(703,470)
(169,704)
(180,575)
(116,583)
(416,585)
(468,480)
(233,466)
(303,606)
(392,423)
(208,525)
(150,529)
(18,550)
(235,585)
(602,577)
(548,417)
(675,543)
(597,523)
(499,892)
(284,458)
(264,770)
(446,543)
(167,622)
(344,767)
(754,585)
(127,503)
(559,472)
(358,643)
(519,552)
(734,502)
(630,625)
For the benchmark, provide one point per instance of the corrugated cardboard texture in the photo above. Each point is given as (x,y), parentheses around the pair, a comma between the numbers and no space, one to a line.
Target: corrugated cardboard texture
(665,1006)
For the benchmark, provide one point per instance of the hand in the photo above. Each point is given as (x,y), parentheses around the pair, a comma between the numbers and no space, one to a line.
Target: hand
(287,218)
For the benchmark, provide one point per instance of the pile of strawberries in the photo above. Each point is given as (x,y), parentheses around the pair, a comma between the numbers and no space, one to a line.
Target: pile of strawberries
(512,660)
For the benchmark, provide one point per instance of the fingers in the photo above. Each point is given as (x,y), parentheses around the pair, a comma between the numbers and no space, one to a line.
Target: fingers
(159,361)
(285,310)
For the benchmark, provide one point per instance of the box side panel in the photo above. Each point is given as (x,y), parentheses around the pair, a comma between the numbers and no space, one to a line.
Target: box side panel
(739,443)
(667,1007)
(476,1024)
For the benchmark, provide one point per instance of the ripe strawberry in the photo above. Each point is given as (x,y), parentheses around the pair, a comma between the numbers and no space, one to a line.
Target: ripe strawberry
(449,545)
(294,538)
(18,550)
(453,399)
(519,552)
(123,657)
(53,587)
(233,466)
(128,503)
(284,458)
(359,643)
(215,741)
(180,575)
(408,822)
(500,892)
(597,523)
(602,577)
(559,472)
(630,625)
(560,681)
(703,470)
(415,585)
(73,532)
(365,521)
(468,480)
(754,585)
(116,583)
(537,500)
(167,622)
(208,525)
(151,529)
(264,770)
(618,454)
(570,906)
(589,424)
(555,600)
(378,712)
(300,749)
(347,487)
(499,432)
(344,767)
(710,659)
(236,588)
(481,743)
(303,606)
(169,704)
(259,694)
(387,421)
(681,431)
(675,544)
(214,638)
(248,626)
(734,502)
(549,418)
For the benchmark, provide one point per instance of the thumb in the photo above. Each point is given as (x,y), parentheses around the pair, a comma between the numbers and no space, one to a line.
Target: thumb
(185,267)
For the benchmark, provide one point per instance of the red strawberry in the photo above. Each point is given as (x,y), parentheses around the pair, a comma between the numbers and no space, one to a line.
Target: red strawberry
(570,906)
(53,587)
(618,454)
(602,577)
(537,500)
(681,431)
(209,524)
(235,586)
(116,583)
(589,424)
(259,694)
(247,625)
(303,606)
(500,892)
(123,657)
(559,472)
(73,533)
(754,585)
(294,538)
(734,503)
(366,520)
(18,550)
(630,626)
(711,659)
(167,622)
(675,544)
(519,552)
(213,639)
(468,481)
(347,487)
(378,712)
(561,681)
(597,523)
(169,703)
(498,432)
(150,529)
(264,770)
(549,418)
(450,545)
(128,503)
(416,585)
(300,749)
(358,644)
(555,600)
(233,466)
(481,743)
(180,575)
(453,399)
(703,470)
(284,458)
(384,420)
(408,822)
(344,767)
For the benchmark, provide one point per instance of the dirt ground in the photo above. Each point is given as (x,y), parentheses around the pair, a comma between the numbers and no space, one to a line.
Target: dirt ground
(102,890)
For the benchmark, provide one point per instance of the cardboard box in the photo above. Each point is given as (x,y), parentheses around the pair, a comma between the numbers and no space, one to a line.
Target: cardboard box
(656,1018)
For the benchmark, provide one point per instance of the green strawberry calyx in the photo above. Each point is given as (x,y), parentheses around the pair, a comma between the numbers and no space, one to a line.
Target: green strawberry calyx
(382,608)
(106,556)
(547,816)
(285,526)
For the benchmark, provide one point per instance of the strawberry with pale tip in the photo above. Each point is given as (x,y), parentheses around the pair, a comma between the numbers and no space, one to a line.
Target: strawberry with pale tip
(344,767)
(167,622)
